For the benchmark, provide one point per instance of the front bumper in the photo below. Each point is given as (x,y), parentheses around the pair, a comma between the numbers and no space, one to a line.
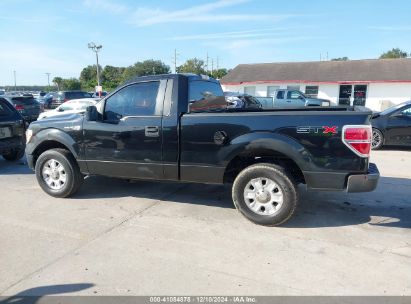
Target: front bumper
(364,182)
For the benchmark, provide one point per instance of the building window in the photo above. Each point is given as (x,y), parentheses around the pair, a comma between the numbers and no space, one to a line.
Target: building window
(311,91)
(249,90)
(293,87)
(271,90)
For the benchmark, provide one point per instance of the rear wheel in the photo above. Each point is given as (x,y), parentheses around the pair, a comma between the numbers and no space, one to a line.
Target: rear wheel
(57,173)
(14,155)
(377,139)
(265,194)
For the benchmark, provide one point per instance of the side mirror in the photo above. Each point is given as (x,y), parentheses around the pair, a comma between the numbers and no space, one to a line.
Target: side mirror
(60,110)
(91,113)
(300,97)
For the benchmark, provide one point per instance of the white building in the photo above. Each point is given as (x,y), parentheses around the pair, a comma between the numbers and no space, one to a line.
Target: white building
(377,84)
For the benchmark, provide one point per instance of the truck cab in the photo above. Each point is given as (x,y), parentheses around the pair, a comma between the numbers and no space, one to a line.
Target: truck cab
(295,98)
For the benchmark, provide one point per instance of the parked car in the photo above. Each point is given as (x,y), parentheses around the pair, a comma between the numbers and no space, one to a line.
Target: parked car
(294,98)
(392,126)
(12,137)
(241,101)
(48,98)
(69,107)
(27,106)
(146,130)
(63,96)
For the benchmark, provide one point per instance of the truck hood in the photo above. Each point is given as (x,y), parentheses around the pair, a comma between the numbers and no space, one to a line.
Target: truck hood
(63,122)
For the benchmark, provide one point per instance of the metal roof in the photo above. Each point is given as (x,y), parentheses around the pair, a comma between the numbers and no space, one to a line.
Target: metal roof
(372,70)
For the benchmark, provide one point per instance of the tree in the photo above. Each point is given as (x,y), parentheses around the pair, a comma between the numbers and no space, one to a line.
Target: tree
(340,59)
(88,76)
(58,81)
(394,53)
(193,65)
(218,74)
(147,67)
(112,76)
(71,84)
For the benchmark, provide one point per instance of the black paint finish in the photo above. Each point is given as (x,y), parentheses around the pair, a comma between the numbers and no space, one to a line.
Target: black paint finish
(178,145)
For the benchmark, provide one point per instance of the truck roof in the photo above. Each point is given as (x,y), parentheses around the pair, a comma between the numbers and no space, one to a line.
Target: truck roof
(171,76)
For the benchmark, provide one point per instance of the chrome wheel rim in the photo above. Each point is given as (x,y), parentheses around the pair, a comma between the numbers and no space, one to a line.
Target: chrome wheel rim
(263,196)
(54,174)
(376,139)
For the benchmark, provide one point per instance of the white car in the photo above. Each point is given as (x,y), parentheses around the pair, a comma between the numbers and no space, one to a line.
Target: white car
(69,107)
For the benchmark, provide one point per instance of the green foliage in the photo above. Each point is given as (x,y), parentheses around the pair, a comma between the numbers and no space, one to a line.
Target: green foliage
(193,65)
(71,84)
(88,76)
(218,74)
(111,77)
(147,67)
(340,59)
(394,53)
(58,81)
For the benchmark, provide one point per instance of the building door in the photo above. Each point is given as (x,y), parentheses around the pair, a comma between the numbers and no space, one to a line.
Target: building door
(360,94)
(345,94)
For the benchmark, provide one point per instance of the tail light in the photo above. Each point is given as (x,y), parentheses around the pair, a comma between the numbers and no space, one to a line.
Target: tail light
(19,107)
(358,139)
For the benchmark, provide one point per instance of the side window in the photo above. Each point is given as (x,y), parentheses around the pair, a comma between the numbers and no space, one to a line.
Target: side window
(205,96)
(293,95)
(406,111)
(138,99)
(4,109)
(280,95)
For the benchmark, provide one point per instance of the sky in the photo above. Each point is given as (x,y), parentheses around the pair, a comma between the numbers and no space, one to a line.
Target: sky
(48,36)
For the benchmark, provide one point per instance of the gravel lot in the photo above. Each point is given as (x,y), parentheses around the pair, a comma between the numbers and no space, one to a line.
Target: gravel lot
(148,238)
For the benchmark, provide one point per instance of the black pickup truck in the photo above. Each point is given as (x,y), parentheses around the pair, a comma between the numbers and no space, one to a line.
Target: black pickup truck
(177,127)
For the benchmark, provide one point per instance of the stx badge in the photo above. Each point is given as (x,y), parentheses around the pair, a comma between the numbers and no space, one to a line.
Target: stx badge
(318,130)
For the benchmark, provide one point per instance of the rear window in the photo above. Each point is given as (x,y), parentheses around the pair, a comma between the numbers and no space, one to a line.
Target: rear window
(5,110)
(205,96)
(25,101)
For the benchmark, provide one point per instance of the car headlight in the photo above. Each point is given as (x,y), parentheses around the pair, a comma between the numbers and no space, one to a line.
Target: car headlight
(29,135)
(325,103)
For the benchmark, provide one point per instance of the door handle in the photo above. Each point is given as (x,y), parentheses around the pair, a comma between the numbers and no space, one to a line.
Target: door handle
(153,131)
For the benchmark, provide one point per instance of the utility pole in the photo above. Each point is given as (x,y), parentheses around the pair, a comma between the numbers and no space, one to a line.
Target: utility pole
(217,64)
(48,79)
(175,60)
(15,85)
(212,67)
(207,63)
(96,48)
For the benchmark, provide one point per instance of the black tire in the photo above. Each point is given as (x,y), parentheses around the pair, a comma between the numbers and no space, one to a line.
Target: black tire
(377,139)
(284,185)
(73,176)
(14,155)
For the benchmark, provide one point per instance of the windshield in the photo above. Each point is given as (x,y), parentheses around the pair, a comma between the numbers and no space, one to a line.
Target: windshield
(392,109)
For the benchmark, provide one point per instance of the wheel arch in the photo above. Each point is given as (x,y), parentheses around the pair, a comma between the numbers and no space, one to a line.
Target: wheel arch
(267,148)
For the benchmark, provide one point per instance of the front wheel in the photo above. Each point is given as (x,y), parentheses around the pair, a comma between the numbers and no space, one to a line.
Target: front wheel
(57,173)
(377,139)
(265,194)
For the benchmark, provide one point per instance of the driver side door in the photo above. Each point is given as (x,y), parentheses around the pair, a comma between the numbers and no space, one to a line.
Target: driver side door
(398,130)
(127,142)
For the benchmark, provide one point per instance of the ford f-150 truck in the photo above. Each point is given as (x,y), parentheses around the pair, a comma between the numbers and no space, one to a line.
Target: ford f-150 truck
(175,127)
